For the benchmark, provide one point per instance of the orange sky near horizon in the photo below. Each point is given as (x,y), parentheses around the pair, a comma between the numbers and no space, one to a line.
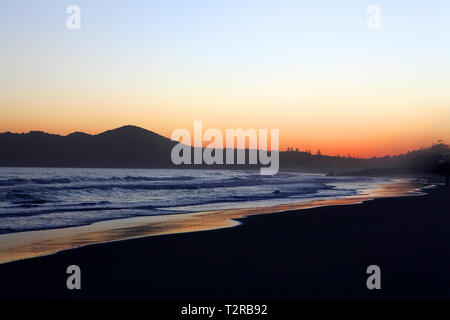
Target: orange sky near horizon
(364,119)
(365,144)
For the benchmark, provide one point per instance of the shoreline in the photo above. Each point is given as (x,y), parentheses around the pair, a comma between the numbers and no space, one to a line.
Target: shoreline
(318,253)
(31,244)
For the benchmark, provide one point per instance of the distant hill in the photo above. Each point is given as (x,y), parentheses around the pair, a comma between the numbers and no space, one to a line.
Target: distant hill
(426,160)
(125,147)
(134,147)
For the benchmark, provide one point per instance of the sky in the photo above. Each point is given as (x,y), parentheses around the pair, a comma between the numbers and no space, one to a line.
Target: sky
(312,69)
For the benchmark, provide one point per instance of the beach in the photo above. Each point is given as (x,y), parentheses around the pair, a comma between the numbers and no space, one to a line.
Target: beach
(197,155)
(312,253)
(43,211)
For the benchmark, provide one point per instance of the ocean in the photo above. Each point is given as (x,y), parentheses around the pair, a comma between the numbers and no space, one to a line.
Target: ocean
(49,198)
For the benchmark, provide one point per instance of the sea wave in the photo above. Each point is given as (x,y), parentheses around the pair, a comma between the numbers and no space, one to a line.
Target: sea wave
(36,199)
(48,181)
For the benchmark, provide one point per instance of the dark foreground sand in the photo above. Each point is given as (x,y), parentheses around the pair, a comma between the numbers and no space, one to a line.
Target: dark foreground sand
(318,253)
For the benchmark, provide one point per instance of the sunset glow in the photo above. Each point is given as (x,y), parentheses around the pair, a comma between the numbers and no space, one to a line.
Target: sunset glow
(314,71)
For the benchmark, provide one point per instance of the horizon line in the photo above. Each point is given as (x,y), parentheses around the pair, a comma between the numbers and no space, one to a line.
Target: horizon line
(292,149)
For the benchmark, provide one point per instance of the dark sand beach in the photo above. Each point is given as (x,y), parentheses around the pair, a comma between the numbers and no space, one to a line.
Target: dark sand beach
(317,253)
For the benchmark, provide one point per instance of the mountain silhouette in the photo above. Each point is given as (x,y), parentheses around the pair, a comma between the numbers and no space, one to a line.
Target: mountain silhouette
(124,147)
(135,147)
